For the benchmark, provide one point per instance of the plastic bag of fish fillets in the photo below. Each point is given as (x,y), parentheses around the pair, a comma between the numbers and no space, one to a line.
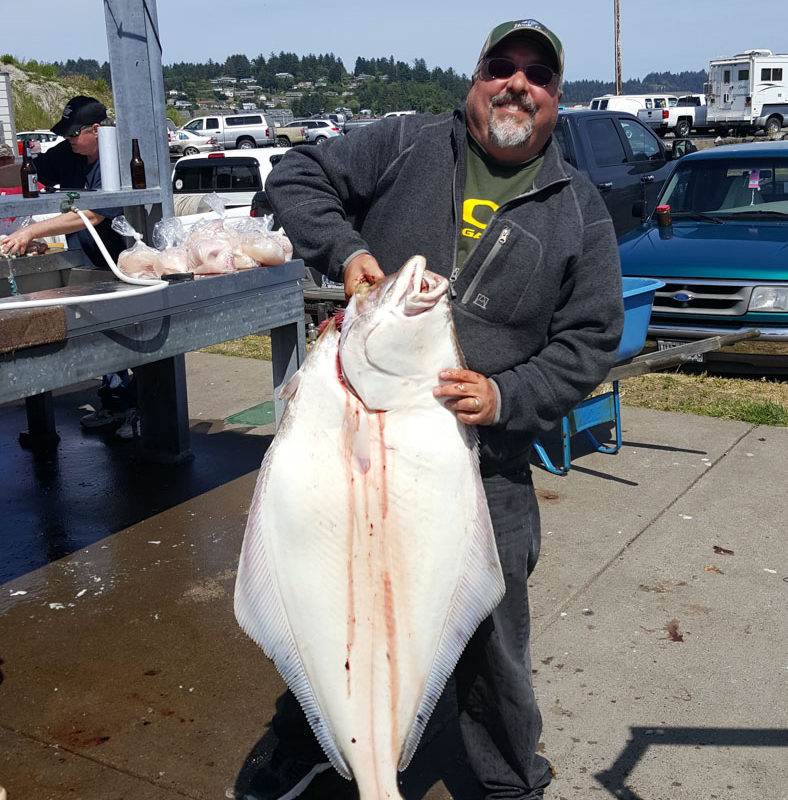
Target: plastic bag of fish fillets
(258,242)
(139,260)
(210,248)
(250,247)
(169,238)
(209,245)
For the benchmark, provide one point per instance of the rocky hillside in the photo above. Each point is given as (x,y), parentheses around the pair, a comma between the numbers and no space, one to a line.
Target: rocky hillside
(39,93)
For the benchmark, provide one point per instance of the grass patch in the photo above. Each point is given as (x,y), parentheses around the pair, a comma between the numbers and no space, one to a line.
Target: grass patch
(255,346)
(754,400)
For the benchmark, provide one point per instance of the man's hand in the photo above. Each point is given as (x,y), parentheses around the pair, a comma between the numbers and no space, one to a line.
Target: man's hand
(469,395)
(364,268)
(16,243)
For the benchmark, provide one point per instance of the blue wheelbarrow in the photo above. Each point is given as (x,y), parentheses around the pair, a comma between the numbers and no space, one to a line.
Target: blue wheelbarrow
(605,407)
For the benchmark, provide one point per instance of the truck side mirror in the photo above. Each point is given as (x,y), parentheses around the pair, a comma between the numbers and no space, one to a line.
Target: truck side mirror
(681,147)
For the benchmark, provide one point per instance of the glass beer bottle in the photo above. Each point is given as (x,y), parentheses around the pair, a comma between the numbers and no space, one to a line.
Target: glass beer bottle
(29,173)
(137,166)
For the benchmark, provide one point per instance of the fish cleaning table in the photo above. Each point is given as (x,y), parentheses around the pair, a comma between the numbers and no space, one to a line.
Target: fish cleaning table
(151,333)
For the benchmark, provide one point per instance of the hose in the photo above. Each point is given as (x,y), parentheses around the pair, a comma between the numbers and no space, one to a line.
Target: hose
(108,258)
(147,285)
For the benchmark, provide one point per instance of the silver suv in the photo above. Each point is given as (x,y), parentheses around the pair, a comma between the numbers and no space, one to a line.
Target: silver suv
(318,131)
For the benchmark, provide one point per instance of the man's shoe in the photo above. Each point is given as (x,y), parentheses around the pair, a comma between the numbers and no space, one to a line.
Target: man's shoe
(101,418)
(130,426)
(283,778)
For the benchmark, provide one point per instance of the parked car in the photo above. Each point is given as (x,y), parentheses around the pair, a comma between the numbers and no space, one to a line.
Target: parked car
(723,255)
(235,175)
(186,143)
(243,131)
(290,134)
(318,131)
(335,117)
(45,139)
(622,156)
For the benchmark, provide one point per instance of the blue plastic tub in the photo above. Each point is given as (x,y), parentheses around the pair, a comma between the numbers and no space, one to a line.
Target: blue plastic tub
(638,299)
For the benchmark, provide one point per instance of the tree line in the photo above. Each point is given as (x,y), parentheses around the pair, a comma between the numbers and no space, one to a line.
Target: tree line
(379,84)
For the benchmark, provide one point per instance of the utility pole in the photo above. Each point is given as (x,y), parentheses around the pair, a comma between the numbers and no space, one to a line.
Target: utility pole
(617,26)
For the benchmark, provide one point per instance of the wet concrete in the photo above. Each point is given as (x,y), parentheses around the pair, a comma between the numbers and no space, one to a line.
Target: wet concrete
(93,484)
(659,661)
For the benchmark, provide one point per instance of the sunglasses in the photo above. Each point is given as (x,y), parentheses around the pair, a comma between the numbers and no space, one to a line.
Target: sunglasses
(77,132)
(499,68)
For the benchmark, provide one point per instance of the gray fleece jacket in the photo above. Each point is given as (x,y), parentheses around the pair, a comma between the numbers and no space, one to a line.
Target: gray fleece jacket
(538,303)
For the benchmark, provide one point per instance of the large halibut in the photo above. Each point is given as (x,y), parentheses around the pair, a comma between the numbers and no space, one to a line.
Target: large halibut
(369,559)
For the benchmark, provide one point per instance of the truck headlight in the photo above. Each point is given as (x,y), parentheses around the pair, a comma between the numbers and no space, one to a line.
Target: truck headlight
(769,298)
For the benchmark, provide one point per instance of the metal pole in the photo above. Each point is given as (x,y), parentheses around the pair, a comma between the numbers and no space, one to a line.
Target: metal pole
(617,26)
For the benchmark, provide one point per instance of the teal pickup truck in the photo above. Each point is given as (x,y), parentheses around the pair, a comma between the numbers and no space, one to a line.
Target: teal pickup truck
(718,239)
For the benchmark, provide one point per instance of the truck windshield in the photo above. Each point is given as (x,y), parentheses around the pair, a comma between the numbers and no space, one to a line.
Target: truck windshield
(728,187)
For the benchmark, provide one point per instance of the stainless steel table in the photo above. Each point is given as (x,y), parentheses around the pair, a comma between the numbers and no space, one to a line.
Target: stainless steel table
(150,333)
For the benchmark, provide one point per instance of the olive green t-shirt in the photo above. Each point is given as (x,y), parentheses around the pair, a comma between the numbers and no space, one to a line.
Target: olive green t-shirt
(488,185)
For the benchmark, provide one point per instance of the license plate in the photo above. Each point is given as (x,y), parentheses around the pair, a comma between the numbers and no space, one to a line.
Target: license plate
(669,344)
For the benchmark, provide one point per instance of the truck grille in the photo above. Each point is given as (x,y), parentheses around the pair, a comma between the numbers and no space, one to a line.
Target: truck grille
(727,298)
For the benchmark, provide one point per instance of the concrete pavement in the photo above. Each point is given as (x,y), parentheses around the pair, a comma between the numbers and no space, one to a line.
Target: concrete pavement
(659,644)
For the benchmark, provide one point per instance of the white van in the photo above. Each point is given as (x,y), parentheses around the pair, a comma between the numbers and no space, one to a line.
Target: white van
(632,103)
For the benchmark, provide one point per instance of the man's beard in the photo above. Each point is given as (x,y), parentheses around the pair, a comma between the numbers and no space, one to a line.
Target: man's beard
(509,132)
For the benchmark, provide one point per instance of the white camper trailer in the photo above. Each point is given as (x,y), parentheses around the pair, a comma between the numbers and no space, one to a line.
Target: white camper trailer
(748,91)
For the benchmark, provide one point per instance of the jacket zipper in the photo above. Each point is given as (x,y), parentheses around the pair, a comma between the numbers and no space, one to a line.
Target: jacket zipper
(496,248)
(457,216)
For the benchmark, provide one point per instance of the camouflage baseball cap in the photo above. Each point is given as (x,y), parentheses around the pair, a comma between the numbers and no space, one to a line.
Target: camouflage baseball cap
(527,27)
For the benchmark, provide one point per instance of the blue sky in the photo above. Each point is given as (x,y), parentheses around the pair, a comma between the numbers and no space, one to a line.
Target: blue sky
(672,35)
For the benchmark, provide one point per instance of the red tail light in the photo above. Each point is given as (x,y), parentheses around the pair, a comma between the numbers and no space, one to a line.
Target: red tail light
(215,155)
(664,113)
(334,128)
(252,211)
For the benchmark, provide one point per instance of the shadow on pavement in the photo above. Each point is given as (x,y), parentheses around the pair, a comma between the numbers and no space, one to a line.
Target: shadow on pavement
(93,484)
(440,758)
(641,739)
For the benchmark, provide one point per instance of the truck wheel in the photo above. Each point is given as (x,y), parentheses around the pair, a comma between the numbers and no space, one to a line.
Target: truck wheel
(282,141)
(245,144)
(773,125)
(682,129)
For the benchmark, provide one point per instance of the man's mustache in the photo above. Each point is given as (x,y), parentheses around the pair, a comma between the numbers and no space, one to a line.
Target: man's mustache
(510,98)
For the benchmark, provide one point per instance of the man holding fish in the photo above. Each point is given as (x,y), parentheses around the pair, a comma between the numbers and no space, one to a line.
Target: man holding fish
(530,253)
